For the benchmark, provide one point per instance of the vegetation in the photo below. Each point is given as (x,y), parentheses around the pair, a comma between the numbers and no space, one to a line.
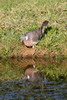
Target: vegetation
(20,16)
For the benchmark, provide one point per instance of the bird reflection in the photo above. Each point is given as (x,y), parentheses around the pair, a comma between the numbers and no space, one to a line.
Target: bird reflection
(33,74)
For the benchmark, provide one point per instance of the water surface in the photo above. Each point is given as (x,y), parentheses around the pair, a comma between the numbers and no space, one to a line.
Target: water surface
(47,79)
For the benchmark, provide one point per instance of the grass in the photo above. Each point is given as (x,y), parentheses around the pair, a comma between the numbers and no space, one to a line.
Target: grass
(20,16)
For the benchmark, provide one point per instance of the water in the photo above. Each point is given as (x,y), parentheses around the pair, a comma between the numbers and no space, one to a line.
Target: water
(27,80)
(20,90)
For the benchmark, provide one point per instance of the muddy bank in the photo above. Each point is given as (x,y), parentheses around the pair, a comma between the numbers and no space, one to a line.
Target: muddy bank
(24,52)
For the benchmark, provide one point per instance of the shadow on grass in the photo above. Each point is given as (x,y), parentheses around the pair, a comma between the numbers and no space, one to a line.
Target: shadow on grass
(47,29)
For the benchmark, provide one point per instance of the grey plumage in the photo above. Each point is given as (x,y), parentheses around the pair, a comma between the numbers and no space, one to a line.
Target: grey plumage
(36,34)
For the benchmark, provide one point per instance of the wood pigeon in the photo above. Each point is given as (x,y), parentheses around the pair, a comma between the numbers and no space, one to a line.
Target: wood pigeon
(31,38)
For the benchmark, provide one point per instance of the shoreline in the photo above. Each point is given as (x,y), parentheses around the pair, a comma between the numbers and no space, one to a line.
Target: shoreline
(24,52)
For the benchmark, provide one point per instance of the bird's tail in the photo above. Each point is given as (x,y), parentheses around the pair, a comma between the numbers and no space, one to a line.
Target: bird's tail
(44,24)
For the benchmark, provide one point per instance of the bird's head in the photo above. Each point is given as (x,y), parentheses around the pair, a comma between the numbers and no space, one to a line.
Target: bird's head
(23,37)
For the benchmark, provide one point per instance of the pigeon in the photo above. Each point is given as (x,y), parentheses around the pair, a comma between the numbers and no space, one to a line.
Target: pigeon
(31,38)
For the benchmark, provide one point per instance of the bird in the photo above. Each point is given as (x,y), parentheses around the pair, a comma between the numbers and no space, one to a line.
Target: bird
(31,38)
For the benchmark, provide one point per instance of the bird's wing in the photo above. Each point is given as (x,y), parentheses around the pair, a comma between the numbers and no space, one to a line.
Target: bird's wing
(34,35)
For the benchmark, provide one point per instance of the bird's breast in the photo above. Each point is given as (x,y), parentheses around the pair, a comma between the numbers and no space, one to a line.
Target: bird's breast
(29,43)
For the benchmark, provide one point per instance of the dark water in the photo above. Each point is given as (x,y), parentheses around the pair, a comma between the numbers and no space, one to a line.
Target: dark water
(20,90)
(33,85)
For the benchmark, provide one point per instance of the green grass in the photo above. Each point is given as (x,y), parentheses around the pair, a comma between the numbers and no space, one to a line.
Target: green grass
(20,16)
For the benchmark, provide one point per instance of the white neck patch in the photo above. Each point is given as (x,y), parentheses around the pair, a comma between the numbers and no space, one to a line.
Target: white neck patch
(26,37)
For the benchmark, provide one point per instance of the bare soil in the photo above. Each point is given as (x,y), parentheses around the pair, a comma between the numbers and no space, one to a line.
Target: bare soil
(24,52)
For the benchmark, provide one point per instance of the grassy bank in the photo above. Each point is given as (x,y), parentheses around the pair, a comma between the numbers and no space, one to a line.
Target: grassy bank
(20,16)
